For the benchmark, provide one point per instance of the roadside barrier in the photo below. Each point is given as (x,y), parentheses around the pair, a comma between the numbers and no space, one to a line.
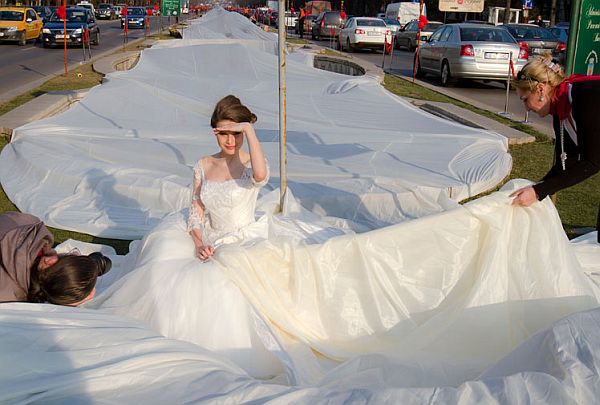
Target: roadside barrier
(85,40)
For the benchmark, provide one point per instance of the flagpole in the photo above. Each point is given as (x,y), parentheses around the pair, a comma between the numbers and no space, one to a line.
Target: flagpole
(282,106)
(64,5)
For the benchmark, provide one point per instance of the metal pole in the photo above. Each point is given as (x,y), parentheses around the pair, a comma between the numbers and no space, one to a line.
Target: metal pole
(573,34)
(505,112)
(282,108)
(65,38)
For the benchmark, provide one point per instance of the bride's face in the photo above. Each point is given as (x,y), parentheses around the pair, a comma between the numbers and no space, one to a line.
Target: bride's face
(230,142)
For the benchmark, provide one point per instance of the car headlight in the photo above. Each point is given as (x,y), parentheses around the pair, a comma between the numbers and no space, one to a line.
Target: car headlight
(46,31)
(12,29)
(77,31)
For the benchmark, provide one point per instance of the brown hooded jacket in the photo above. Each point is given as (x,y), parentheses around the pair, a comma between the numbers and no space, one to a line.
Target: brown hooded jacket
(22,238)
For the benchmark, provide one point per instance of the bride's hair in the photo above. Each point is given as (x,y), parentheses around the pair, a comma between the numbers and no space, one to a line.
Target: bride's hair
(231,108)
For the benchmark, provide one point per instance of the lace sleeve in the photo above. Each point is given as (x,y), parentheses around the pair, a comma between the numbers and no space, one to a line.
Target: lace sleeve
(249,176)
(196,213)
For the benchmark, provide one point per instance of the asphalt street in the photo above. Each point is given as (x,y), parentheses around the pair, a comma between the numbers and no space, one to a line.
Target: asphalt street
(25,67)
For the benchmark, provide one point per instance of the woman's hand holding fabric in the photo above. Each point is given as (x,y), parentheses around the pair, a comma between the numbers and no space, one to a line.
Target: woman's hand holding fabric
(524,196)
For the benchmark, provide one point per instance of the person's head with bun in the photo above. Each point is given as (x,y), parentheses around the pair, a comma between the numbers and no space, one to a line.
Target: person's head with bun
(536,83)
(66,279)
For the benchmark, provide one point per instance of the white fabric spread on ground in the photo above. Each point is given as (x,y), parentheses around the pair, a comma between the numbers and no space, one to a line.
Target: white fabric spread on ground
(120,159)
(473,286)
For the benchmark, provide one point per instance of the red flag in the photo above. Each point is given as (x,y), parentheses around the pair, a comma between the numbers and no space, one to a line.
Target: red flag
(86,35)
(124,11)
(61,12)
(422,22)
(512,67)
(149,11)
(343,15)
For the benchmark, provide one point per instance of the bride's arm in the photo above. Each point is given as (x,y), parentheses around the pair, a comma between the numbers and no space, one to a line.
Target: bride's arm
(196,220)
(257,158)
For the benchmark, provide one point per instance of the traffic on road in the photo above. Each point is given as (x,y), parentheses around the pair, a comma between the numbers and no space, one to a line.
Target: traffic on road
(40,55)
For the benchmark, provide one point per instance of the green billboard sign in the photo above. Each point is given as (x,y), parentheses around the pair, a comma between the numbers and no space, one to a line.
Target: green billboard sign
(171,7)
(585,39)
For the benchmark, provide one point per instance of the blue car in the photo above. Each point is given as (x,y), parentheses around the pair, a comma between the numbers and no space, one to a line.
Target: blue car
(136,17)
(78,20)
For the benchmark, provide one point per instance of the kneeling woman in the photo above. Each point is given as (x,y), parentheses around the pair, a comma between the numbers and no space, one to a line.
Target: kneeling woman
(31,271)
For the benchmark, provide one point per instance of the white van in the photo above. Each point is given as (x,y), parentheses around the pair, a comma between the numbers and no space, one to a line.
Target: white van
(404,12)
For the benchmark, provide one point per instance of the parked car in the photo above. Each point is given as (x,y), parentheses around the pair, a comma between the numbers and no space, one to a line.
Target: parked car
(561,32)
(470,51)
(327,24)
(407,37)
(43,11)
(19,24)
(118,10)
(105,11)
(136,17)
(78,20)
(537,39)
(392,24)
(364,32)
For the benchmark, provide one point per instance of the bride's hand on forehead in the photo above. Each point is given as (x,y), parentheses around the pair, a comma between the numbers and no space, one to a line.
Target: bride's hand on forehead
(232,128)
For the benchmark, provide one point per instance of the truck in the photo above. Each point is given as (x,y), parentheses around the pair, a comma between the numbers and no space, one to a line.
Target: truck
(404,12)
(316,7)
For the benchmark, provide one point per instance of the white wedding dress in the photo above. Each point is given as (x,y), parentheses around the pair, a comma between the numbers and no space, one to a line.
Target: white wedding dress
(182,297)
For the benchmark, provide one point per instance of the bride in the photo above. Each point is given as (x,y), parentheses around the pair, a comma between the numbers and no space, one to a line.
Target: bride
(190,299)
(447,295)
(178,288)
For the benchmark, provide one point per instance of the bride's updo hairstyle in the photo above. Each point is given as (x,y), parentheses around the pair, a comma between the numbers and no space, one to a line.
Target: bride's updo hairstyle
(70,280)
(231,108)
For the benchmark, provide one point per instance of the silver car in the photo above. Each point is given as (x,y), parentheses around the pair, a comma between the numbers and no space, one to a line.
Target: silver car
(470,51)
(407,36)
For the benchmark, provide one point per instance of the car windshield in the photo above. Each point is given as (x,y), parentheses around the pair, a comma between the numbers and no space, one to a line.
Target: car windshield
(72,16)
(485,34)
(11,15)
(135,11)
(534,33)
(103,5)
(363,22)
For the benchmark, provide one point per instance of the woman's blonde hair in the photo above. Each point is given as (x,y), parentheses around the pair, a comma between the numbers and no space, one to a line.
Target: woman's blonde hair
(541,69)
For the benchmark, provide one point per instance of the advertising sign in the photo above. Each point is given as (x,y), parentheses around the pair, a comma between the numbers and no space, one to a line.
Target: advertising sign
(171,7)
(463,6)
(587,43)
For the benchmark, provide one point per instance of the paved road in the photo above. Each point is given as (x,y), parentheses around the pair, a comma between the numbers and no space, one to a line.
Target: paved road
(25,67)
(490,96)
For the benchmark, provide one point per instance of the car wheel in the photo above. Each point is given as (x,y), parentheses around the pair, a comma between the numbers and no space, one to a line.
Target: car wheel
(350,49)
(39,38)
(97,39)
(312,34)
(23,39)
(410,46)
(445,75)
